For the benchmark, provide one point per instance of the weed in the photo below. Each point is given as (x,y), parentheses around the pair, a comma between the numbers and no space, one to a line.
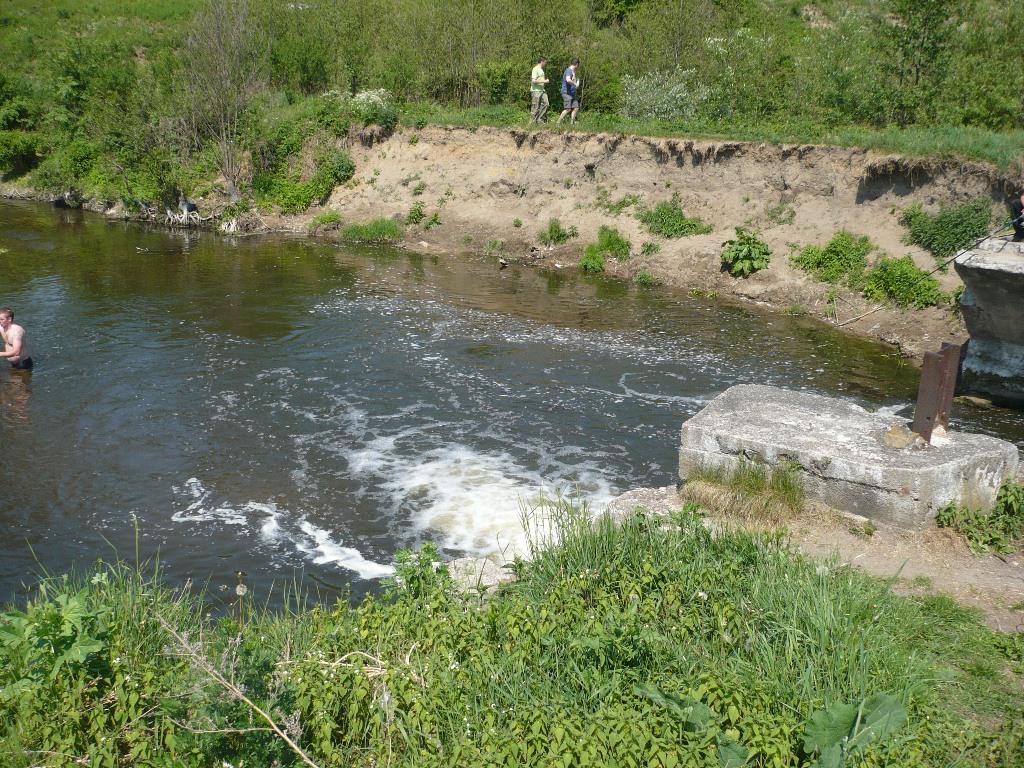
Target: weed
(433,221)
(796,310)
(592,260)
(517,223)
(380,230)
(649,248)
(645,280)
(843,259)
(668,219)
(324,220)
(567,183)
(556,234)
(865,530)
(902,282)
(614,207)
(414,139)
(781,214)
(495,248)
(1001,530)
(951,229)
(415,214)
(610,242)
(745,254)
(702,293)
(419,189)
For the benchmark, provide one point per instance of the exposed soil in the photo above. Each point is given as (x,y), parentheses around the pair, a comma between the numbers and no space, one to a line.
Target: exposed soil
(480,182)
(919,562)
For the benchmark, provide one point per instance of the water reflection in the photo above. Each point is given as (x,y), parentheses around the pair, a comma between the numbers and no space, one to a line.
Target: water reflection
(15,395)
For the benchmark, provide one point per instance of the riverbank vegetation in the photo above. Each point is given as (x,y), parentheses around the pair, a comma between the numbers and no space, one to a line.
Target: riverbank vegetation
(652,642)
(142,101)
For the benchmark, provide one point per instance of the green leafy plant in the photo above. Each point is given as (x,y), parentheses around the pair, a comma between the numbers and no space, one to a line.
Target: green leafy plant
(781,214)
(517,223)
(668,219)
(433,221)
(614,207)
(1001,530)
(649,248)
(419,189)
(556,234)
(745,254)
(843,259)
(945,233)
(415,214)
(901,281)
(381,230)
(592,260)
(844,730)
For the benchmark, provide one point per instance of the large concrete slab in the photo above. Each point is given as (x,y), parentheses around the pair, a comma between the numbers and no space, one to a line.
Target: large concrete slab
(844,456)
(993,310)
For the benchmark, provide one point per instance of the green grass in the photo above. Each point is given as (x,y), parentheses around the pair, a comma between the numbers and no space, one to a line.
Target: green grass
(998,530)
(903,283)
(946,233)
(651,638)
(1001,148)
(380,230)
(751,490)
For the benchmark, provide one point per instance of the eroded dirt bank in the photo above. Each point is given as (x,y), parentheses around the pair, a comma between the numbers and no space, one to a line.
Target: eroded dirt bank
(483,183)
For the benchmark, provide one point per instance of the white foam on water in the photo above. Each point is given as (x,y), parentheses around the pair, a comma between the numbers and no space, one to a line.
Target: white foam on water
(893,410)
(324,550)
(275,528)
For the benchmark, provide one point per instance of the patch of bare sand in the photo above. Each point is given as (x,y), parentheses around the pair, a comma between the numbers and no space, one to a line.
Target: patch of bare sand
(933,561)
(495,185)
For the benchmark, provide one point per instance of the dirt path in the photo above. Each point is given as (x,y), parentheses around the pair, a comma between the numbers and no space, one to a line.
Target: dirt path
(932,561)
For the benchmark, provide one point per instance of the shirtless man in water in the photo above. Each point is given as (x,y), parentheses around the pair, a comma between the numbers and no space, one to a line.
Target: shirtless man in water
(13,335)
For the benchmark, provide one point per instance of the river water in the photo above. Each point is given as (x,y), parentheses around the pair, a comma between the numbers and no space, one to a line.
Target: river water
(293,409)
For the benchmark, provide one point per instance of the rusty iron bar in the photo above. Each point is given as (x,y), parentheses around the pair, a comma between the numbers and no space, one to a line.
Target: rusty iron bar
(935,393)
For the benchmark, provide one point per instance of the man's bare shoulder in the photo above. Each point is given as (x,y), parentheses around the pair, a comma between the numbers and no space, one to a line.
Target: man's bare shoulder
(15,332)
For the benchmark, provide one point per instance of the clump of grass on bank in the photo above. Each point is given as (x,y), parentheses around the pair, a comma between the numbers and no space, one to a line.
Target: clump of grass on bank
(556,234)
(667,219)
(750,490)
(610,244)
(746,254)
(614,207)
(325,220)
(842,260)
(382,230)
(902,282)
(950,230)
(1001,530)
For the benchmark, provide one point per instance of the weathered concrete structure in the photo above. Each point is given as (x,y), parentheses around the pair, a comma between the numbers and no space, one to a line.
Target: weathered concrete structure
(847,456)
(993,308)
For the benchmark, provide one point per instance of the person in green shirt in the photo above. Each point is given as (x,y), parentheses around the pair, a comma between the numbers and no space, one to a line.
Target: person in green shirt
(538,94)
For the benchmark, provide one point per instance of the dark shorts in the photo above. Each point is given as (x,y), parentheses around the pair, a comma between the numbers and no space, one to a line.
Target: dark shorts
(23,365)
(570,102)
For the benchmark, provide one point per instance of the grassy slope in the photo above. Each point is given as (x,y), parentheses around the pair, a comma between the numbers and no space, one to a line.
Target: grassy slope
(631,645)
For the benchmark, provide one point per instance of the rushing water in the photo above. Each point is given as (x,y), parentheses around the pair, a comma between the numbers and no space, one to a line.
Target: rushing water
(286,407)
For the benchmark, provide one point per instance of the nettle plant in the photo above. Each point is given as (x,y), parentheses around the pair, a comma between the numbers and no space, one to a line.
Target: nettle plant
(745,254)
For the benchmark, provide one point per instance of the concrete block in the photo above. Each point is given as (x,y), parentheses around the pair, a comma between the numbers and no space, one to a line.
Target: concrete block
(993,275)
(843,454)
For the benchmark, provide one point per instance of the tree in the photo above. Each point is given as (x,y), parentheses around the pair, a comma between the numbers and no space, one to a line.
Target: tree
(223,69)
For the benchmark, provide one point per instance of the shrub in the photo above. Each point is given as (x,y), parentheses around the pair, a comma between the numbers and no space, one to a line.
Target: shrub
(843,258)
(555,234)
(592,259)
(517,222)
(669,95)
(902,282)
(667,219)
(610,241)
(499,81)
(380,230)
(376,108)
(945,233)
(645,280)
(18,151)
(1001,530)
(325,219)
(433,221)
(745,254)
(649,248)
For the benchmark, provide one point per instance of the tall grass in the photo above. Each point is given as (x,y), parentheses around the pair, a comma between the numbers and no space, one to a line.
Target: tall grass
(380,230)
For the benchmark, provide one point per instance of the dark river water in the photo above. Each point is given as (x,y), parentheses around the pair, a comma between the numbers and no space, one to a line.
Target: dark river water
(298,410)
